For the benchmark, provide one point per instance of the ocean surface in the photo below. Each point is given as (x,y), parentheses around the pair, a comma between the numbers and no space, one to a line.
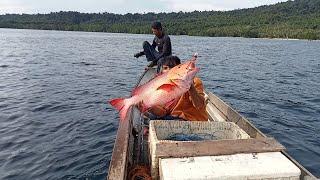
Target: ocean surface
(55,122)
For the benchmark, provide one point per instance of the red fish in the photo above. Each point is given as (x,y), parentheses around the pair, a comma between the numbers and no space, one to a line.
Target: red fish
(162,90)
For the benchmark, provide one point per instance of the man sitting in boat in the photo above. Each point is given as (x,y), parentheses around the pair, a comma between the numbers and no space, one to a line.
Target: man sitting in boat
(162,41)
(190,106)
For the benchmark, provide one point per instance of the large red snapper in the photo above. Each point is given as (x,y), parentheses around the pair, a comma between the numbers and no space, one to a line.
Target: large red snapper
(162,90)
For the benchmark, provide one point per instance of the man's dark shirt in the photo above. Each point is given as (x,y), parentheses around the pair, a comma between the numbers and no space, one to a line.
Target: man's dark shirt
(164,45)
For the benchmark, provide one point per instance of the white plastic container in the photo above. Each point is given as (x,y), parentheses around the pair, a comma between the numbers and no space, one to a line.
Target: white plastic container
(268,166)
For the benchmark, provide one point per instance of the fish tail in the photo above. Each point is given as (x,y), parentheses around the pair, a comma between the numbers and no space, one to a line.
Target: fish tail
(120,105)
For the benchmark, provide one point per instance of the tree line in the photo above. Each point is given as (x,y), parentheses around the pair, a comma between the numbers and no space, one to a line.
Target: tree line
(299,19)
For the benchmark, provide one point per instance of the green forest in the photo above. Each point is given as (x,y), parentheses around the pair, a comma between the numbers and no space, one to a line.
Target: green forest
(299,19)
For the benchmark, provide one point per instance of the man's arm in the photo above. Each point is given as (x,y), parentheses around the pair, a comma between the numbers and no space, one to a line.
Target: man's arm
(166,51)
(154,44)
(196,94)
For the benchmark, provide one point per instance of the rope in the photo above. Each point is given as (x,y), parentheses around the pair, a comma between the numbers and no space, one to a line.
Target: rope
(140,173)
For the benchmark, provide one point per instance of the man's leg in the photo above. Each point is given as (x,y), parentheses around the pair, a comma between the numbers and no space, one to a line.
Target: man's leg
(149,51)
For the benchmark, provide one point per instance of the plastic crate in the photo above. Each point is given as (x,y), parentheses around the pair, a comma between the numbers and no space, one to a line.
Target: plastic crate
(161,130)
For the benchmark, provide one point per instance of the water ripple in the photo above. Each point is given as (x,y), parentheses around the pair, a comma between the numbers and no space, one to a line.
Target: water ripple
(55,122)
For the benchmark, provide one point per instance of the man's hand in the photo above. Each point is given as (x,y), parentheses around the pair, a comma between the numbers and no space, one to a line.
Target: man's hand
(137,55)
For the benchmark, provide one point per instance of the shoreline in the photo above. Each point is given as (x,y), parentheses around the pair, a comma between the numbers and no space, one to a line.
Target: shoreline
(283,39)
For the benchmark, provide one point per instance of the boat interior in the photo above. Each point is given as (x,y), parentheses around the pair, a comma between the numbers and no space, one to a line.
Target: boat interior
(130,158)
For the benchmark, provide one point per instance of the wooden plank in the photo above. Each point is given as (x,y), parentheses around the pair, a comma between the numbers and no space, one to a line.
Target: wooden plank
(122,150)
(220,147)
(214,113)
(119,161)
(146,76)
(247,126)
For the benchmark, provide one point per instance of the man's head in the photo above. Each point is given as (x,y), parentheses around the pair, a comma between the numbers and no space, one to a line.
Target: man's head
(156,28)
(169,62)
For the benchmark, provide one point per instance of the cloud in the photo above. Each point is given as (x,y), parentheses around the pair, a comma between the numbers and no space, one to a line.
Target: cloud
(191,5)
(7,6)
(88,6)
(125,6)
(216,5)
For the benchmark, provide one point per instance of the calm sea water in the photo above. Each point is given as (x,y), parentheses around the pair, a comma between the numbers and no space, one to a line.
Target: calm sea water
(55,122)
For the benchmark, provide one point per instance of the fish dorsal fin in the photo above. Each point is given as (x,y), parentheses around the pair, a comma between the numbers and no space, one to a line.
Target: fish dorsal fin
(181,83)
(167,87)
(170,103)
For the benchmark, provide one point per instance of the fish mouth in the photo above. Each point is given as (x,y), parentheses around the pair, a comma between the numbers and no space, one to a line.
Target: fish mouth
(191,65)
(196,69)
(189,72)
(192,69)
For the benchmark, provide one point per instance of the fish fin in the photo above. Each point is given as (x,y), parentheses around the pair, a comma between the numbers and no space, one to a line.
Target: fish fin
(120,106)
(117,103)
(167,87)
(168,104)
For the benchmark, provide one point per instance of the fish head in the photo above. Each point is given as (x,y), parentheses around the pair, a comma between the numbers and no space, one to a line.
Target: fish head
(184,72)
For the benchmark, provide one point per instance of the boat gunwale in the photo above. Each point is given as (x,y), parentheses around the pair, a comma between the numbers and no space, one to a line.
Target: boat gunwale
(120,154)
(304,171)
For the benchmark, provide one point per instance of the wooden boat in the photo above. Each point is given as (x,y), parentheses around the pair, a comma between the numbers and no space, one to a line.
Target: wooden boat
(130,148)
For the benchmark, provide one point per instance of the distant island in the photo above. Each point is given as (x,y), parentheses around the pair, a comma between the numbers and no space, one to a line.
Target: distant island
(299,19)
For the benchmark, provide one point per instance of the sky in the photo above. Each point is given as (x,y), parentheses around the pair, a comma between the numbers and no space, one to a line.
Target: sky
(126,6)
